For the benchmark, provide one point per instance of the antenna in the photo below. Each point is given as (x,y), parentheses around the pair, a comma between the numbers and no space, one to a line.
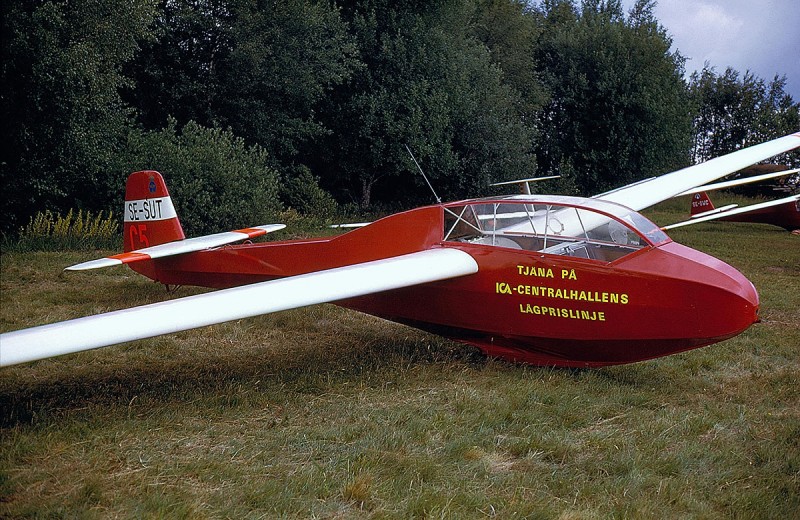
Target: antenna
(438,200)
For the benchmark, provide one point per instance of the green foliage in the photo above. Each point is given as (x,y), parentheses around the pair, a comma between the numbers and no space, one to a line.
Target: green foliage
(63,120)
(46,231)
(286,56)
(257,67)
(735,110)
(328,94)
(510,30)
(301,192)
(429,84)
(217,182)
(619,108)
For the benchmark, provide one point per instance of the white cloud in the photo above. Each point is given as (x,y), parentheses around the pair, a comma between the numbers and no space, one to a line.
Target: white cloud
(760,36)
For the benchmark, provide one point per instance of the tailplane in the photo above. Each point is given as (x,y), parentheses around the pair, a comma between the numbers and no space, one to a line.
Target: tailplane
(150,217)
(152,229)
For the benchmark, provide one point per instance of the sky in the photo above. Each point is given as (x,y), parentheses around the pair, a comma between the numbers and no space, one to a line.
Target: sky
(762,36)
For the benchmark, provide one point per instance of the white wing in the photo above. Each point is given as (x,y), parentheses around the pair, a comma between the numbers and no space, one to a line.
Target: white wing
(231,304)
(737,211)
(738,182)
(652,191)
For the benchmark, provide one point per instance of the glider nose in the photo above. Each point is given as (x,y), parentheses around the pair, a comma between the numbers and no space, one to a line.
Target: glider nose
(748,298)
(730,303)
(709,300)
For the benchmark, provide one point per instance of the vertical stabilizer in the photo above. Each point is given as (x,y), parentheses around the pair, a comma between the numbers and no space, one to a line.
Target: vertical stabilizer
(150,217)
(701,204)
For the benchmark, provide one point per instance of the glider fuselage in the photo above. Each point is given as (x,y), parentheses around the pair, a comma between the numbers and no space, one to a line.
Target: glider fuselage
(786,216)
(600,303)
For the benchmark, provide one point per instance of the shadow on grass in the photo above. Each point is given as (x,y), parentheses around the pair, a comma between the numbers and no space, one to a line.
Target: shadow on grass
(151,372)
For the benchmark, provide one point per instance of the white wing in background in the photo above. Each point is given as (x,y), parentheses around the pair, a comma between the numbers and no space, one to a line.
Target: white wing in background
(737,211)
(231,304)
(644,194)
(738,182)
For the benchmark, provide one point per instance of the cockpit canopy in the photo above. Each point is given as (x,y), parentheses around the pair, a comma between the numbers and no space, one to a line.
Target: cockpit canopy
(572,226)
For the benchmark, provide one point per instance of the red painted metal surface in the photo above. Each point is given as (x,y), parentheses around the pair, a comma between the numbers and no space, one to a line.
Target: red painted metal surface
(149,218)
(558,311)
(522,305)
(786,216)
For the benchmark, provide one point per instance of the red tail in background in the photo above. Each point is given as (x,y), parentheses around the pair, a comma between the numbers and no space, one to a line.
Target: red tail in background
(150,217)
(701,203)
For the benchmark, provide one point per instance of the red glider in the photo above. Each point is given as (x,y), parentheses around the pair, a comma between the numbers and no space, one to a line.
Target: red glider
(547,280)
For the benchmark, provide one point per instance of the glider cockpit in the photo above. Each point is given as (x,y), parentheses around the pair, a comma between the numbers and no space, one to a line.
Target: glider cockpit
(570,226)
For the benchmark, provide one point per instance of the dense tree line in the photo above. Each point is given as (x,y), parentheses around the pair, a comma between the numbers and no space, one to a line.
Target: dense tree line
(736,109)
(250,106)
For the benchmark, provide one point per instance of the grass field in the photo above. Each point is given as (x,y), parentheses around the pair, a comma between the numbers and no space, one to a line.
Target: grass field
(326,413)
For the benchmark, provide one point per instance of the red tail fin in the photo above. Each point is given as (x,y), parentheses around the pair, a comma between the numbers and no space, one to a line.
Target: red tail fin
(701,203)
(150,217)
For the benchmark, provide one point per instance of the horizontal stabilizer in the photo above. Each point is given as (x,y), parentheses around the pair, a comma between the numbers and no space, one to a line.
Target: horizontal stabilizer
(348,226)
(179,247)
(520,181)
(715,211)
(738,211)
(525,183)
(232,304)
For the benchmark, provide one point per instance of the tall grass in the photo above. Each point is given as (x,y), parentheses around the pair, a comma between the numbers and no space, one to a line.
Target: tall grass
(48,231)
(325,413)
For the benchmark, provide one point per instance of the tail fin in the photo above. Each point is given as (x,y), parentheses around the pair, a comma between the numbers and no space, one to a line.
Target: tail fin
(152,229)
(150,217)
(701,203)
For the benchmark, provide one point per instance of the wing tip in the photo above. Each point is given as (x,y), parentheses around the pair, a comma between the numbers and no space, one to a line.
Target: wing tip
(94,264)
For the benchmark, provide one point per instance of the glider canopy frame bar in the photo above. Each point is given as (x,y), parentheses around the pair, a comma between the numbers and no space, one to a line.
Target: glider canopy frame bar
(571,226)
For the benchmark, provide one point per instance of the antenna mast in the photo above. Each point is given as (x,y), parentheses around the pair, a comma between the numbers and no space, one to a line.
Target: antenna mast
(438,200)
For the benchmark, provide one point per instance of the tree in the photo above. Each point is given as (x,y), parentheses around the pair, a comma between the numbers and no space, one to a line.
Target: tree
(63,120)
(429,84)
(510,30)
(286,57)
(216,181)
(256,66)
(735,110)
(618,110)
(176,72)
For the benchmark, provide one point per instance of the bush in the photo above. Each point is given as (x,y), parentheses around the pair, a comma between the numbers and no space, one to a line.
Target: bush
(217,182)
(301,191)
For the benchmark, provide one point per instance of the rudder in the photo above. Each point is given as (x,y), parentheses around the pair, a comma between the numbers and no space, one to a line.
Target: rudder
(150,217)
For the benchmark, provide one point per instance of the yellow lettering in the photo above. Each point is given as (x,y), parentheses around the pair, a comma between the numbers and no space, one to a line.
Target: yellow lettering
(560,312)
(502,288)
(568,274)
(539,272)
